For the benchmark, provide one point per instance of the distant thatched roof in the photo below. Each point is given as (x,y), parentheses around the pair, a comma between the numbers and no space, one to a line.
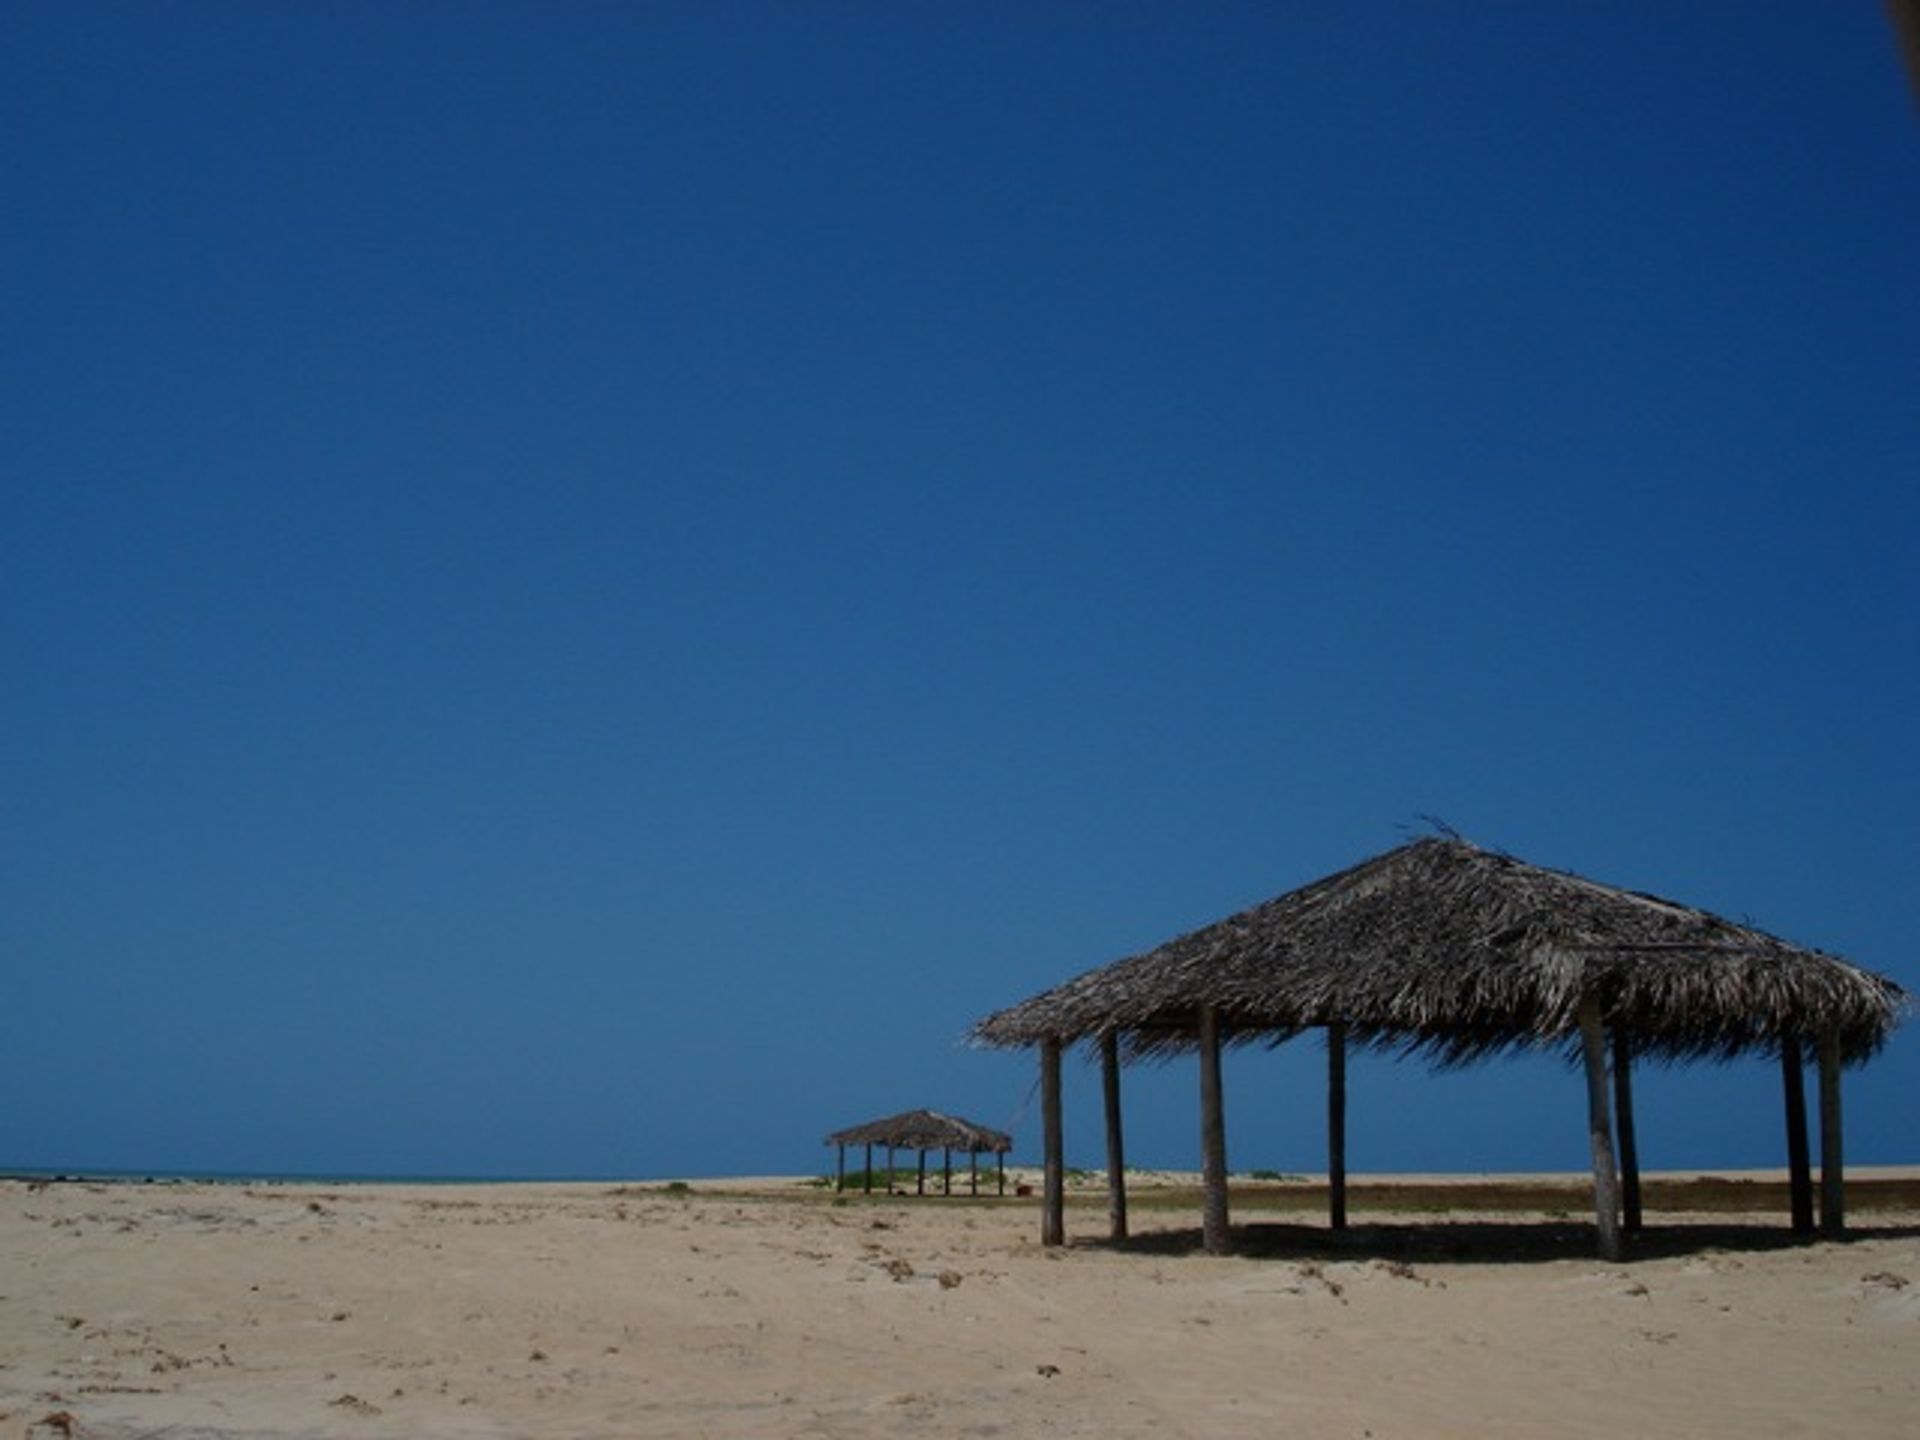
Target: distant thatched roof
(1443,948)
(925,1130)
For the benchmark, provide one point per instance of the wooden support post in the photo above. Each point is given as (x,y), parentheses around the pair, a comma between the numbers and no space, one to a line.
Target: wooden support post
(869,1189)
(840,1168)
(1000,1164)
(1606,1182)
(1116,1141)
(973,1172)
(1214,1221)
(1053,1204)
(1799,1164)
(1623,1122)
(920,1181)
(1337,1125)
(1833,1186)
(946,1170)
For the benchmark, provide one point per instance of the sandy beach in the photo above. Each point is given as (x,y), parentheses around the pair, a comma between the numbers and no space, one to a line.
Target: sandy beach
(733,1308)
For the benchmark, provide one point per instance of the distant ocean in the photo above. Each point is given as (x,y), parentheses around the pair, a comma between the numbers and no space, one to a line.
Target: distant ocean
(271,1177)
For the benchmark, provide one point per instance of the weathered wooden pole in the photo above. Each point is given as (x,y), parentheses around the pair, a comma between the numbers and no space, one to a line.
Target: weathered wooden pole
(1000,1164)
(920,1180)
(946,1170)
(1053,1204)
(1606,1181)
(1214,1232)
(1337,1125)
(1623,1122)
(840,1168)
(1799,1165)
(973,1172)
(1116,1140)
(869,1189)
(1833,1186)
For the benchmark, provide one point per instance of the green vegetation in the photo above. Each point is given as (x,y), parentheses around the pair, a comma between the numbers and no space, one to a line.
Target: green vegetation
(901,1177)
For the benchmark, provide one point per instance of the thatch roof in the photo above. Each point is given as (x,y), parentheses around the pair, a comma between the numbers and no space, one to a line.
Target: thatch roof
(1443,948)
(925,1130)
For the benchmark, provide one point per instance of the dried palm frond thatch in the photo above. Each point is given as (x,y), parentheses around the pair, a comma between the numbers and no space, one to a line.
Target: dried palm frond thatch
(1444,949)
(926,1130)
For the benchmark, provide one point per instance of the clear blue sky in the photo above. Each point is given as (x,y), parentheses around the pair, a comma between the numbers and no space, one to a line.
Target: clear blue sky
(583,587)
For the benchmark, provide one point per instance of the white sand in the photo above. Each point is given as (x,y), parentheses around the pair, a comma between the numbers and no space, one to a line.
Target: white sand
(556,1311)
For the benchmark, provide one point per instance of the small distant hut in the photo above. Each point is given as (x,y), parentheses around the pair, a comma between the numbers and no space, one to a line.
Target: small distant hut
(923,1131)
(1442,949)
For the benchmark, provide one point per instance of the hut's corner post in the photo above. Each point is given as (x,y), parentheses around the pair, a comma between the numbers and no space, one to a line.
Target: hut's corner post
(1623,1123)
(1799,1165)
(840,1168)
(869,1176)
(1337,1125)
(1833,1188)
(1116,1140)
(1606,1181)
(1215,1233)
(1053,1205)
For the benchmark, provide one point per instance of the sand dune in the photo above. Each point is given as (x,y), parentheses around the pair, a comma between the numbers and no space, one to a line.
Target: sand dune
(769,1310)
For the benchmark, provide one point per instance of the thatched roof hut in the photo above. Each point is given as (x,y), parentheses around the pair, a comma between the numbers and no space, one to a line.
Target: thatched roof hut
(1458,952)
(921,1131)
(1443,949)
(925,1130)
